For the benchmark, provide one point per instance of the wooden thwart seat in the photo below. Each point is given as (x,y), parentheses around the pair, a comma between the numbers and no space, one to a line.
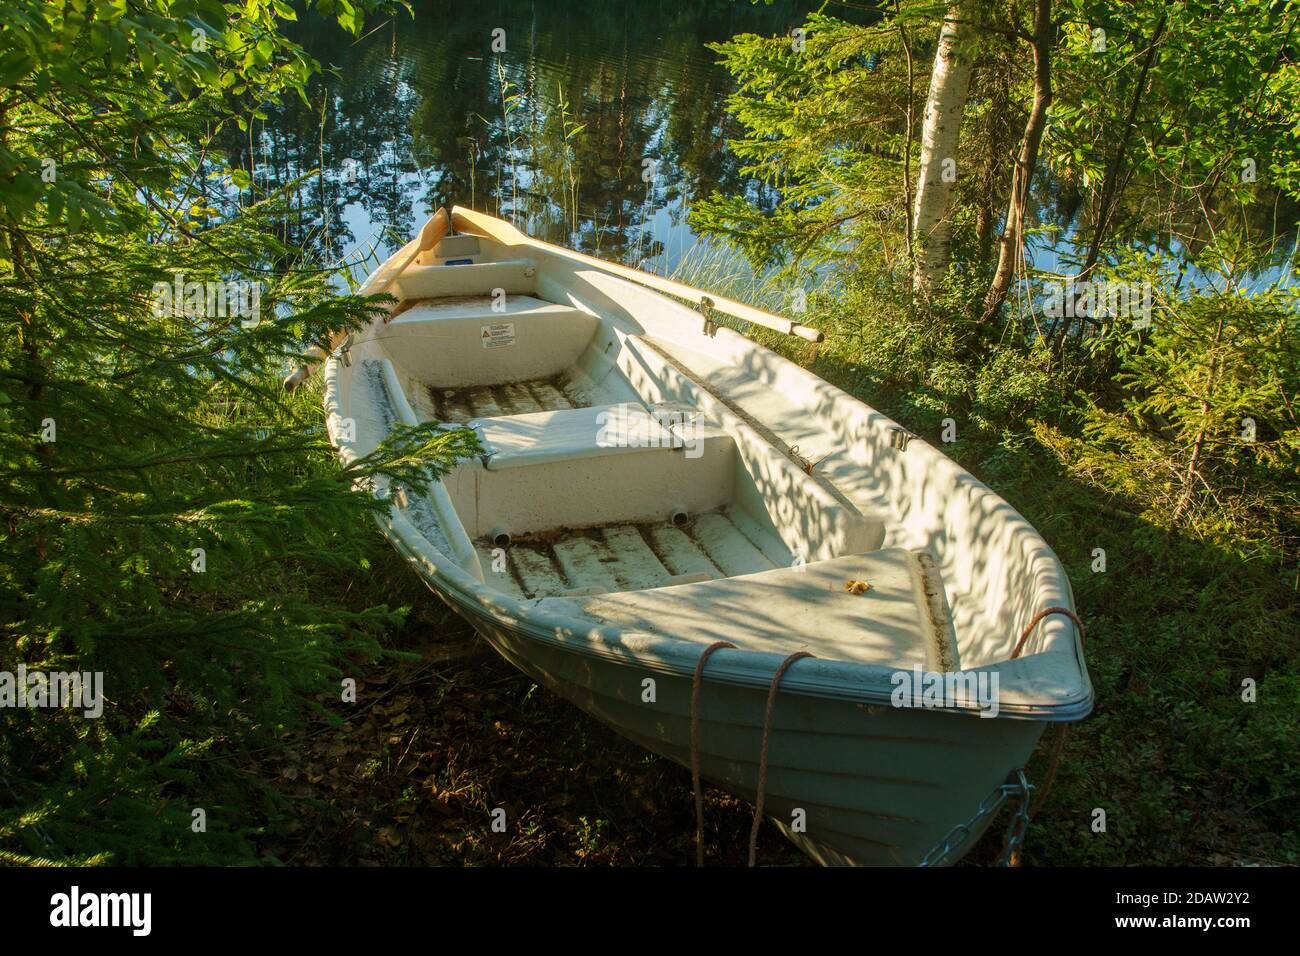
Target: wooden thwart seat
(902,620)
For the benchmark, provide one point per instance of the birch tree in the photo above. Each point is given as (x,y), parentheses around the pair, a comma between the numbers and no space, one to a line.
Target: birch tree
(940,135)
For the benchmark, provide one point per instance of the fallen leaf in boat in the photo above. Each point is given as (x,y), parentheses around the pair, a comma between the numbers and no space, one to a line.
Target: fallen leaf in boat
(857,587)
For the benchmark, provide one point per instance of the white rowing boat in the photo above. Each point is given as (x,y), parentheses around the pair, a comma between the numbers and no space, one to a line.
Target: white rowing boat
(660,496)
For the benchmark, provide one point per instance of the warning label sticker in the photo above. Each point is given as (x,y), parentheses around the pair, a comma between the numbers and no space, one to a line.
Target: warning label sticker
(498,336)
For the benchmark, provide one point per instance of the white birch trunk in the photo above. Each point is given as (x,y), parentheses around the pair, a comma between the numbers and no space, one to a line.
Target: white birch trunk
(940,132)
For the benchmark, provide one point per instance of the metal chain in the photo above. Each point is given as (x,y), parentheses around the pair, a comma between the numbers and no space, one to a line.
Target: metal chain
(1018,828)
(1017,787)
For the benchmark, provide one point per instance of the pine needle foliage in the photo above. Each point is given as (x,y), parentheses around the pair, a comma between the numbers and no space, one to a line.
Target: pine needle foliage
(169,516)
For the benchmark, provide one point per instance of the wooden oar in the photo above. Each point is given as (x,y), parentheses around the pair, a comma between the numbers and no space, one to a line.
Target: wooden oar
(467,220)
(378,282)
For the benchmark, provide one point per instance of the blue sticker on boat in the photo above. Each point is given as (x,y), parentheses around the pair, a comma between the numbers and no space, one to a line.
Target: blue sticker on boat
(459,262)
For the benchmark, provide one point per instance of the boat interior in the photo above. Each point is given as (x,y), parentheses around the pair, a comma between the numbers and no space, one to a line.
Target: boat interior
(655,470)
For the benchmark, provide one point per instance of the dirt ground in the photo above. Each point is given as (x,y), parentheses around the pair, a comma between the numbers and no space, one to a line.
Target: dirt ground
(433,746)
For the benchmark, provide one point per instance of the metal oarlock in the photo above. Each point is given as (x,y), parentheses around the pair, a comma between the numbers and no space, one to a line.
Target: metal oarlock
(342,350)
(899,438)
(706,310)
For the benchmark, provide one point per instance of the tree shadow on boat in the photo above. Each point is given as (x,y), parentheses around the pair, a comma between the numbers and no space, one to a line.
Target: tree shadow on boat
(1181,630)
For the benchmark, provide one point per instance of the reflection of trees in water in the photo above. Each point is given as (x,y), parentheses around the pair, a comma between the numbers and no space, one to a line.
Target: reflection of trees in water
(554,132)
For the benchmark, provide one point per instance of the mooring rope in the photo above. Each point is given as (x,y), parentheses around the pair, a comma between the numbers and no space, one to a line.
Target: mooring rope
(695,747)
(760,795)
(1033,623)
(762,757)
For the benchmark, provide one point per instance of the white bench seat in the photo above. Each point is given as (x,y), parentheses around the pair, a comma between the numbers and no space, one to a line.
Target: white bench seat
(901,621)
(515,441)
(474,340)
(588,467)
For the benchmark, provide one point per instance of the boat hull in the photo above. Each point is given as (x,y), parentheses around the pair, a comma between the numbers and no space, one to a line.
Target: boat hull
(788,516)
(849,783)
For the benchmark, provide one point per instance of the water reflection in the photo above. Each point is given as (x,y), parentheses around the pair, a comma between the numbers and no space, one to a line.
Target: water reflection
(594,127)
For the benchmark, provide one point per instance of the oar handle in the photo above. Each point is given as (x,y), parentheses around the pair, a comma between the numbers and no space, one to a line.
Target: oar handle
(505,233)
(304,372)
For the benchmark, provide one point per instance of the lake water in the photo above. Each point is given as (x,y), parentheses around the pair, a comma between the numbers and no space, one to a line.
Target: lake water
(595,126)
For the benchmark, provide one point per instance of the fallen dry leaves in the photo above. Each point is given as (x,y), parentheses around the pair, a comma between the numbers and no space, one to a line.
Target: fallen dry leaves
(411,774)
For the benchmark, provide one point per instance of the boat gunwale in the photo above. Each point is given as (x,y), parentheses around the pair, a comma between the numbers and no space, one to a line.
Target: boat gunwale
(857,682)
